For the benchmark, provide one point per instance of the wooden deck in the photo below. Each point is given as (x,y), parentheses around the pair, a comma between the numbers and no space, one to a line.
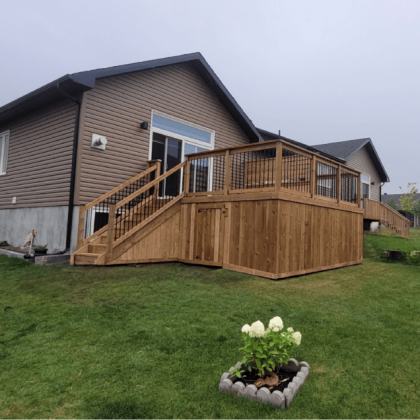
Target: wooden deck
(387,216)
(270,209)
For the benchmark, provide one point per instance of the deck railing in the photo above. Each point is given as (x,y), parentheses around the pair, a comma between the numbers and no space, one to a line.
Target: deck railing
(387,216)
(271,166)
(94,217)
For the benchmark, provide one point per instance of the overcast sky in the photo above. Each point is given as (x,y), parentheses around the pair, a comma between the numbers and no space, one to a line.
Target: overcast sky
(321,71)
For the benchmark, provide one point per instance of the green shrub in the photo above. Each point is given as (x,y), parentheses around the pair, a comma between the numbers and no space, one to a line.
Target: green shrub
(266,349)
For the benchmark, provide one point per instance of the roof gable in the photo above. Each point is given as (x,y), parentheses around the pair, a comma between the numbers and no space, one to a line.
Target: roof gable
(79,82)
(347,149)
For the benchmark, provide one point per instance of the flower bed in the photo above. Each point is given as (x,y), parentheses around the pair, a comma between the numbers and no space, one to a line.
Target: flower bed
(267,373)
(298,373)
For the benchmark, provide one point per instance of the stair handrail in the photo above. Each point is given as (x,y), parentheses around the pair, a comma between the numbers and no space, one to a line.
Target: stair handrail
(81,240)
(149,185)
(120,187)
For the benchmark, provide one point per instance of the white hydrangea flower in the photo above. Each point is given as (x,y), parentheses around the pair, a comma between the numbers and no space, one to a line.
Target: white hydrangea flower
(246,328)
(298,337)
(257,329)
(277,323)
(275,329)
(290,329)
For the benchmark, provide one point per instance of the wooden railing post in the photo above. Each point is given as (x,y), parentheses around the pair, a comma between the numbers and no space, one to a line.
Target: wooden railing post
(111,228)
(359,191)
(339,184)
(228,171)
(187,174)
(81,227)
(279,161)
(313,177)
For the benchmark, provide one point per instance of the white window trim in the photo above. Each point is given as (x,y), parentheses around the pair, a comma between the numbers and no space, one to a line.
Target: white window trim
(364,182)
(183,139)
(194,142)
(3,149)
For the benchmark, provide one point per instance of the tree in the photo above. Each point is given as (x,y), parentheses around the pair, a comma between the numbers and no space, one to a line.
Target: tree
(392,203)
(416,209)
(407,201)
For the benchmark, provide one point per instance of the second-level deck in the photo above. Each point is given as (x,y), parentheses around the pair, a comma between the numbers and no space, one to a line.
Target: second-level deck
(275,167)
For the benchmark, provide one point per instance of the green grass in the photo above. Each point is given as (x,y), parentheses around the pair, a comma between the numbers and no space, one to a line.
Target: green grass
(152,342)
(385,240)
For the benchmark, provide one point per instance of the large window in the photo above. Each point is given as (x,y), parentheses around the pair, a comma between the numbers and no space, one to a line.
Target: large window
(4,148)
(365,186)
(171,139)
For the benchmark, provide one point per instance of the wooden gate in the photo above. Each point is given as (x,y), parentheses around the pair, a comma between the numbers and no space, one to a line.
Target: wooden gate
(209,234)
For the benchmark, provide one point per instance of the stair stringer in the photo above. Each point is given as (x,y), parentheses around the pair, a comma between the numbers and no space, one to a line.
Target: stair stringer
(156,240)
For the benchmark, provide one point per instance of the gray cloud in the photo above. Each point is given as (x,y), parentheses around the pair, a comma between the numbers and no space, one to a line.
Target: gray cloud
(320,71)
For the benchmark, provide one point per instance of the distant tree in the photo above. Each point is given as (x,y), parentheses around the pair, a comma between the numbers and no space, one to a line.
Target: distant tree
(416,209)
(407,201)
(392,203)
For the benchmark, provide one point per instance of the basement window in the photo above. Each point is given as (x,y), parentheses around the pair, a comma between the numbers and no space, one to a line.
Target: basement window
(4,149)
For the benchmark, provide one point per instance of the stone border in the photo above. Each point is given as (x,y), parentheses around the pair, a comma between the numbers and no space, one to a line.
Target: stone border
(13,254)
(281,399)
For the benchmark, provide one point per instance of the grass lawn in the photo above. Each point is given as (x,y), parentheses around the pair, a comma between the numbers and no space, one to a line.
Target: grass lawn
(386,240)
(152,342)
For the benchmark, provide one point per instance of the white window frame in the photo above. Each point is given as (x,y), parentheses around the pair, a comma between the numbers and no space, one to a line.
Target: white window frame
(3,150)
(183,139)
(364,182)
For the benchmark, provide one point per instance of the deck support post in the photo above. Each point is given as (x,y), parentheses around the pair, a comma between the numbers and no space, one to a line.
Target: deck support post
(228,171)
(279,160)
(359,192)
(111,227)
(187,174)
(339,184)
(313,177)
(81,227)
(151,163)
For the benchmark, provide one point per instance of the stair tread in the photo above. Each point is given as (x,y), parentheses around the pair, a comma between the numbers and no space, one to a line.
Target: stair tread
(87,254)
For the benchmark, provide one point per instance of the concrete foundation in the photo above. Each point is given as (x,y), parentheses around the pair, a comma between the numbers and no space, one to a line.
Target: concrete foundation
(50,224)
(74,227)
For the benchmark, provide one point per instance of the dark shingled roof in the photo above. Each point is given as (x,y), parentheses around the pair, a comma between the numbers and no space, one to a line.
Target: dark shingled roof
(347,149)
(267,135)
(74,84)
(386,198)
(342,149)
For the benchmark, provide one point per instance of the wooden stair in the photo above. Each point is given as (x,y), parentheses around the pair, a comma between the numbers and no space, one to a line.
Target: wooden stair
(387,216)
(127,217)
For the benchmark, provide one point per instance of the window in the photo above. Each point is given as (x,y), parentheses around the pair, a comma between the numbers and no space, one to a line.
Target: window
(365,185)
(4,148)
(171,139)
(180,128)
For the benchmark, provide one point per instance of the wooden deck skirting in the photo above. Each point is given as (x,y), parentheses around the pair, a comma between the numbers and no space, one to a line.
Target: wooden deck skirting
(257,209)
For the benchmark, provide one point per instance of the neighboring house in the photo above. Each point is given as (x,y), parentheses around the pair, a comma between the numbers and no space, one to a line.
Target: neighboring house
(361,155)
(414,220)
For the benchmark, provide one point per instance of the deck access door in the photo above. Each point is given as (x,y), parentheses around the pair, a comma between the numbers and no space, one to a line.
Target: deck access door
(209,234)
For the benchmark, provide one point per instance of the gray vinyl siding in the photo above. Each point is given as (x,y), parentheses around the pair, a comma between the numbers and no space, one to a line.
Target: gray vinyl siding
(116,107)
(363,163)
(39,159)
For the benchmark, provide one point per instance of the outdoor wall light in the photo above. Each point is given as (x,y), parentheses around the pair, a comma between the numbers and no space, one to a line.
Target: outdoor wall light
(372,183)
(144,125)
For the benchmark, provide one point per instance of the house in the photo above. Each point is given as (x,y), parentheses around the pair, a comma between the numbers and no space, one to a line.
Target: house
(361,154)
(395,198)
(156,161)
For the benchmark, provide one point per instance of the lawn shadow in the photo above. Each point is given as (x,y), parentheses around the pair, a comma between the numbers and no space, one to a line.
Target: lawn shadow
(126,408)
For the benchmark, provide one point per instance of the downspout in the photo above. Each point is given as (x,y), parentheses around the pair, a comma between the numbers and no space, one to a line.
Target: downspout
(73,165)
